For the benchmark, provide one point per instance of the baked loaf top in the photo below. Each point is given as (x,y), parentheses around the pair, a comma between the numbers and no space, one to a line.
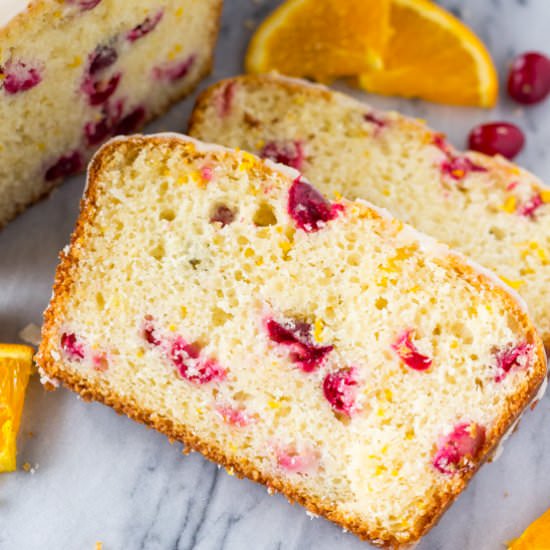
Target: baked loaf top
(486,207)
(322,348)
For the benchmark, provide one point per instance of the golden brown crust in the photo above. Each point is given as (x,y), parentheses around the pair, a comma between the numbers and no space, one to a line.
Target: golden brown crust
(100,390)
(294,86)
(42,8)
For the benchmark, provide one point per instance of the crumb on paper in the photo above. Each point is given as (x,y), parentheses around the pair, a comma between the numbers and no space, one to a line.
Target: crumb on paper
(29,468)
(98,546)
(30,334)
(249,24)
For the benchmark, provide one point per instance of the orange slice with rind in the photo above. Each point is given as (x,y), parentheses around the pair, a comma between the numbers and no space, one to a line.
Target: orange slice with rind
(321,39)
(535,537)
(432,55)
(15,369)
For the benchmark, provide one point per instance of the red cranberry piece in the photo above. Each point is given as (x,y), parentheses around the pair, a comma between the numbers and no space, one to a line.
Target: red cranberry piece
(207,173)
(84,5)
(99,91)
(458,449)
(72,347)
(297,462)
(222,214)
(529,78)
(308,208)
(100,362)
(65,166)
(233,416)
(224,100)
(497,138)
(375,119)
(97,132)
(530,207)
(290,153)
(408,352)
(294,332)
(512,358)
(174,71)
(455,166)
(186,358)
(297,336)
(150,332)
(20,76)
(131,122)
(340,390)
(459,167)
(442,144)
(102,58)
(146,27)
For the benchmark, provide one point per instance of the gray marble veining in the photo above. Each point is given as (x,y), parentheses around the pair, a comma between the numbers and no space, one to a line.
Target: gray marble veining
(101,477)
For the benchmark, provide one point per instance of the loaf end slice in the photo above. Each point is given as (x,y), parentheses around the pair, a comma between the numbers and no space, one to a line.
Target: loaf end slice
(75,73)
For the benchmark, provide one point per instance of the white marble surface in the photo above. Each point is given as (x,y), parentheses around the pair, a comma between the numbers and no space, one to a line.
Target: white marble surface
(101,477)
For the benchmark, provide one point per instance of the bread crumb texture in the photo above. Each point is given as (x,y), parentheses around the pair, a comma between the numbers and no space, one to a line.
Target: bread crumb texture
(73,74)
(486,207)
(331,352)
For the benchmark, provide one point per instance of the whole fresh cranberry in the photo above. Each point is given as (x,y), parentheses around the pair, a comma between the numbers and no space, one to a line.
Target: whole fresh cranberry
(529,78)
(497,138)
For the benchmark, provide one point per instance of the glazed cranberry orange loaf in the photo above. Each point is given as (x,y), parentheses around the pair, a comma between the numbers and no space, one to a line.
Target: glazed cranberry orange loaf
(75,72)
(322,348)
(488,208)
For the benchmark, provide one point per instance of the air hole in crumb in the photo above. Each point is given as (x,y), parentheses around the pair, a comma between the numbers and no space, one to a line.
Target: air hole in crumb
(220,317)
(195,263)
(168,214)
(163,187)
(241,396)
(381,303)
(343,418)
(497,233)
(264,215)
(158,252)
(437,330)
(222,214)
(479,383)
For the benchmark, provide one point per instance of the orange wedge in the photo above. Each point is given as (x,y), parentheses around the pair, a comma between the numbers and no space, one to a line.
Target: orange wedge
(536,536)
(15,369)
(321,39)
(433,56)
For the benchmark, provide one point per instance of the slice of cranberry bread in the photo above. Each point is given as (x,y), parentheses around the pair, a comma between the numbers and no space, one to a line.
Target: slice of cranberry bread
(322,348)
(75,72)
(488,208)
